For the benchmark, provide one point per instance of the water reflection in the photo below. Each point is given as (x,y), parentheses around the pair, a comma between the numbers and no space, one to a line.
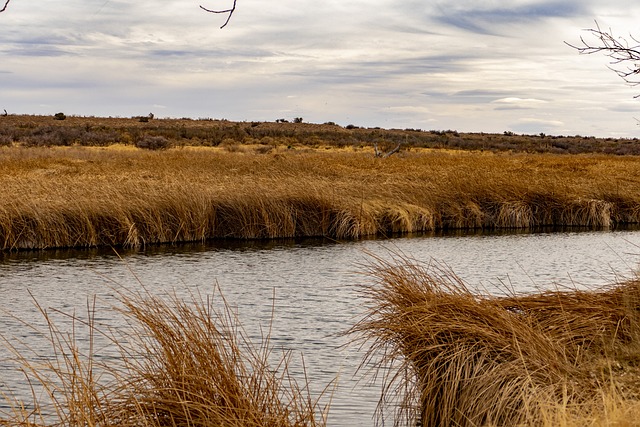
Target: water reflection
(313,286)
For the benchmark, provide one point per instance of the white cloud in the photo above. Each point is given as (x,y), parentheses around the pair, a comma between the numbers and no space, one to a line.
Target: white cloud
(462,64)
(512,103)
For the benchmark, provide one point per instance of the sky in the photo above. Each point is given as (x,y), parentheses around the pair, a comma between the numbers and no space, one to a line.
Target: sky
(466,65)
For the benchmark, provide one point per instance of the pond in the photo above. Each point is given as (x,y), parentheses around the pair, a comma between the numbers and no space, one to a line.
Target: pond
(312,287)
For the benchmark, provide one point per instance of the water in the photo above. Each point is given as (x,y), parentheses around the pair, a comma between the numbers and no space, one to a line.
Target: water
(313,288)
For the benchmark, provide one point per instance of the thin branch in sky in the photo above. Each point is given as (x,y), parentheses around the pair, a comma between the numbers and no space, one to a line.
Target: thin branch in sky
(616,48)
(7,4)
(229,11)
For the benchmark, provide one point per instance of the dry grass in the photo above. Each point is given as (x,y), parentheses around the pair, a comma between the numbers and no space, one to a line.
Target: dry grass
(99,131)
(82,196)
(452,357)
(182,363)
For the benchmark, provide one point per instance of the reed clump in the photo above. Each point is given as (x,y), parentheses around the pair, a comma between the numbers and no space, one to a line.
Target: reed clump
(180,363)
(123,196)
(456,358)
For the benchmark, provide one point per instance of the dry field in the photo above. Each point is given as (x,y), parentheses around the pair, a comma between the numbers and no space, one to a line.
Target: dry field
(125,196)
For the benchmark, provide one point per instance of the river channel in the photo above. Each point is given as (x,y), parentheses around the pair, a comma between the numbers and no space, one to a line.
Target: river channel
(312,287)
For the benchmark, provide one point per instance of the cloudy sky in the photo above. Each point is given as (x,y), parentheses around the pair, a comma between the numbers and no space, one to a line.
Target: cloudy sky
(469,65)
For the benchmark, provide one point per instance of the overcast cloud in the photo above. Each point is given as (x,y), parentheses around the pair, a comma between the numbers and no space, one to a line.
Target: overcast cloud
(469,65)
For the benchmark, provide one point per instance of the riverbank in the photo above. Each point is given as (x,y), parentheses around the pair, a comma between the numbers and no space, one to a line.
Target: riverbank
(121,195)
(450,356)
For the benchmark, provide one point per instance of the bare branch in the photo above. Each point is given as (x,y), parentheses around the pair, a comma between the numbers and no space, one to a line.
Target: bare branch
(5,6)
(616,48)
(382,155)
(229,11)
(394,151)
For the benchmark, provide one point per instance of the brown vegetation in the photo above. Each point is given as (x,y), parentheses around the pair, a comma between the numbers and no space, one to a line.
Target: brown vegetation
(182,363)
(96,131)
(120,195)
(453,358)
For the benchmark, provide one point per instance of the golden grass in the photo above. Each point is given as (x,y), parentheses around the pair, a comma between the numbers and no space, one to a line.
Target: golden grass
(452,357)
(182,363)
(87,196)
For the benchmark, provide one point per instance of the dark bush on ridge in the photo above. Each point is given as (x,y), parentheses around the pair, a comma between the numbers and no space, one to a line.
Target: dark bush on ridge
(86,131)
(154,143)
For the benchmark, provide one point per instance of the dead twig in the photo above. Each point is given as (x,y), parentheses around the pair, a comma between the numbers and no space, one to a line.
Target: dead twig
(616,48)
(383,155)
(5,6)
(229,11)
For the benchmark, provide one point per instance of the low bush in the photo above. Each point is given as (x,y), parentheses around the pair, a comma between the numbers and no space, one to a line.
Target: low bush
(149,142)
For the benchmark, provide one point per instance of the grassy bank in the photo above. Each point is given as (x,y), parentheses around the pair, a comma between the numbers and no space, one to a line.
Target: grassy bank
(124,196)
(453,358)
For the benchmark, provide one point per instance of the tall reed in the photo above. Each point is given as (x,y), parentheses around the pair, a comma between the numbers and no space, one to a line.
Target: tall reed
(453,357)
(181,363)
(85,197)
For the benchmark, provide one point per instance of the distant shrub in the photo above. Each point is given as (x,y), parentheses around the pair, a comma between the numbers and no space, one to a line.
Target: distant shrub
(144,119)
(5,140)
(352,127)
(231,145)
(48,136)
(59,116)
(298,120)
(263,149)
(149,142)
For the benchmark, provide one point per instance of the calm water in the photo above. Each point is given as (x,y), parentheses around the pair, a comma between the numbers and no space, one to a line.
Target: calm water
(315,285)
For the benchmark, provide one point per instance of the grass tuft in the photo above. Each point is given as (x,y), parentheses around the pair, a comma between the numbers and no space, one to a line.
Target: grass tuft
(453,357)
(181,363)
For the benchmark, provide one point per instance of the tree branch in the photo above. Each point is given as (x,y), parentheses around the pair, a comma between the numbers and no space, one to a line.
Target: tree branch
(5,6)
(229,11)
(616,48)
(382,155)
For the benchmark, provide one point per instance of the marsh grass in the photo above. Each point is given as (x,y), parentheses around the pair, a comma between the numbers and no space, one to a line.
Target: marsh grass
(452,357)
(122,196)
(181,363)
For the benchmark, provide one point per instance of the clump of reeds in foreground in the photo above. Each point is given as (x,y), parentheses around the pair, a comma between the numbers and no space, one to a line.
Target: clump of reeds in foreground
(181,364)
(451,357)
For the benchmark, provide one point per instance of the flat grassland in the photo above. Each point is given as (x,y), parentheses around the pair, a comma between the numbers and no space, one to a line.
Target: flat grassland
(84,194)
(453,357)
